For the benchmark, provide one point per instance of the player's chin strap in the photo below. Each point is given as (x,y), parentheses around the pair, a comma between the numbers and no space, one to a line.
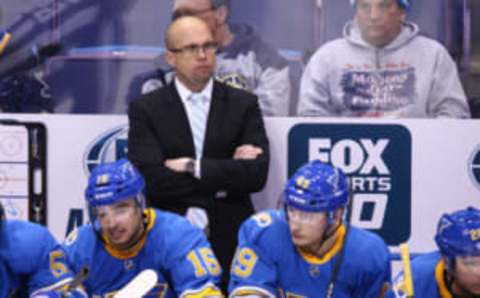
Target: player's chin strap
(332,220)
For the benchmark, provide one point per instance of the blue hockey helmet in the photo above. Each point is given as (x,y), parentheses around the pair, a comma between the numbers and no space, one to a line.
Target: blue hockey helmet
(317,187)
(458,233)
(113,182)
(404,4)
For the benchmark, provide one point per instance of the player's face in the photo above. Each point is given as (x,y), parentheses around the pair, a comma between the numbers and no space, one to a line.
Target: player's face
(380,21)
(307,228)
(467,275)
(192,68)
(121,223)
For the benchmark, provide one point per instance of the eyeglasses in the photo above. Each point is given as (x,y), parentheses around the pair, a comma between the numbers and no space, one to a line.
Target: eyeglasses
(195,49)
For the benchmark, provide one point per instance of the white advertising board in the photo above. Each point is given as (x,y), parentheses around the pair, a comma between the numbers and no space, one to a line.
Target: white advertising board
(404,173)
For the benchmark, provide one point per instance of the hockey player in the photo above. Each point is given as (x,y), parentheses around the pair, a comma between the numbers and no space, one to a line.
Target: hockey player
(307,250)
(454,270)
(32,263)
(123,239)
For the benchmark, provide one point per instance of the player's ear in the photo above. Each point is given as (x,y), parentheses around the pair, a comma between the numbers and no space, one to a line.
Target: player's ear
(170,58)
(339,214)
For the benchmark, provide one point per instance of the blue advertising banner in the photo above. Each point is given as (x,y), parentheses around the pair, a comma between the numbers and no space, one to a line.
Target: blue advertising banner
(378,162)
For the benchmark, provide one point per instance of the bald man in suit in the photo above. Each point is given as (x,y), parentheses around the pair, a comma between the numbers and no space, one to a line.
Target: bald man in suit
(214,168)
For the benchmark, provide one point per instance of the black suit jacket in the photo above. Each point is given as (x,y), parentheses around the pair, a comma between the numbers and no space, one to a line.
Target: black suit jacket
(160,130)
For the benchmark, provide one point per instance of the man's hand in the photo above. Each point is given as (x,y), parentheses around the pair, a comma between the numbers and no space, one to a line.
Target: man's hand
(247,151)
(180,165)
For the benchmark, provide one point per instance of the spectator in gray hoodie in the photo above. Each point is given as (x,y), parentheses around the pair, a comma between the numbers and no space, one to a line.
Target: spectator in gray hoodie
(382,67)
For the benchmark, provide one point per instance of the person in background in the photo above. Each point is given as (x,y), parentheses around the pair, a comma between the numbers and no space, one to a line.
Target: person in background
(307,249)
(382,67)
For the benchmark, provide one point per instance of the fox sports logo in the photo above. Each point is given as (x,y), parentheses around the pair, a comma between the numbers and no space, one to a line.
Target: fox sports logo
(107,147)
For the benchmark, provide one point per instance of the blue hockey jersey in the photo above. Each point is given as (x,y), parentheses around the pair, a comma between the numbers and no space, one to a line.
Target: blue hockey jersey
(427,275)
(30,259)
(177,251)
(268,262)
